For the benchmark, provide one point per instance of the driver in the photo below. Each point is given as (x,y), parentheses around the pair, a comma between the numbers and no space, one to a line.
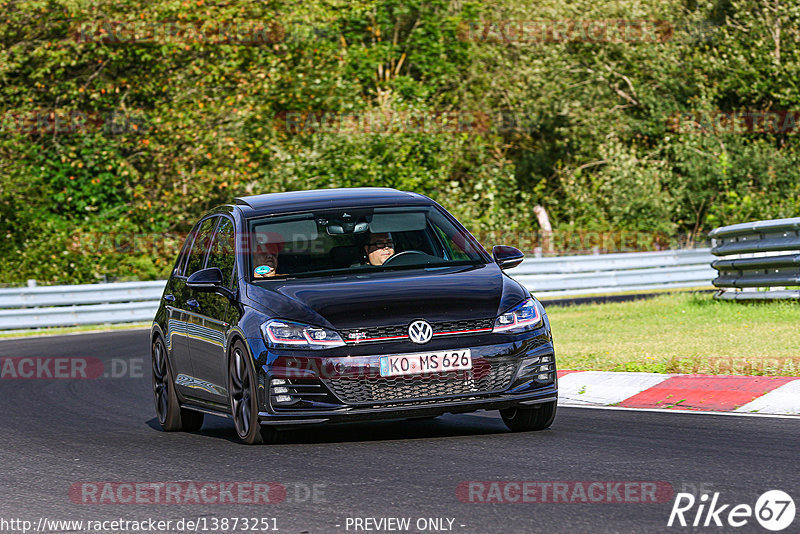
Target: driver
(379,248)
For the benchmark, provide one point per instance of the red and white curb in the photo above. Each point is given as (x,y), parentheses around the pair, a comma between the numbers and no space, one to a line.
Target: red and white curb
(778,395)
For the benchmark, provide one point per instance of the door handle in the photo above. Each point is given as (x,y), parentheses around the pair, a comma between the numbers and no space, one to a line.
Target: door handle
(169,298)
(192,303)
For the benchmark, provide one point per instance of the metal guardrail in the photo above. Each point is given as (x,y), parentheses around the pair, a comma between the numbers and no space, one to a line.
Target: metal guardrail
(605,274)
(129,312)
(80,294)
(34,307)
(44,306)
(761,259)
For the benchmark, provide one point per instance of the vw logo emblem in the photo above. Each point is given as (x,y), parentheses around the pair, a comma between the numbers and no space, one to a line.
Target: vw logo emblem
(420,332)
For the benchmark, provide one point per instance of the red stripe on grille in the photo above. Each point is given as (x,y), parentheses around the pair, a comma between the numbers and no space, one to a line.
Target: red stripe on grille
(373,339)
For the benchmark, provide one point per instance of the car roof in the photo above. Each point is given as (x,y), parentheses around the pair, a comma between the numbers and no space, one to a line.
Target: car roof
(353,197)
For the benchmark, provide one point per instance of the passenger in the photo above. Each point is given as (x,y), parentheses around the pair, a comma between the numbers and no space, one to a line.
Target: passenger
(379,248)
(265,259)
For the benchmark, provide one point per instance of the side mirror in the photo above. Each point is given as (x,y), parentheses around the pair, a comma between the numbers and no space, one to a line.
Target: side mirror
(207,280)
(507,257)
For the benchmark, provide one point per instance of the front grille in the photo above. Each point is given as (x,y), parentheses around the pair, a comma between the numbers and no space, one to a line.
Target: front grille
(374,332)
(484,377)
(460,326)
(381,333)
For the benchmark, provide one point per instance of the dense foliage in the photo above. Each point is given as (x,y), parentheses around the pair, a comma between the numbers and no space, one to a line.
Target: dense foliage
(435,96)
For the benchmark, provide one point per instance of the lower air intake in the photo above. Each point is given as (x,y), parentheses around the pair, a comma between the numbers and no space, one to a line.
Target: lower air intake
(484,377)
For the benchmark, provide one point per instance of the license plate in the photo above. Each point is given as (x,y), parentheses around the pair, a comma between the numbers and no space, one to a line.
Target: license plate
(429,362)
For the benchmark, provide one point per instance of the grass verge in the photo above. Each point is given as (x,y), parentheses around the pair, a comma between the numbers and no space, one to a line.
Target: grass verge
(679,333)
(62,330)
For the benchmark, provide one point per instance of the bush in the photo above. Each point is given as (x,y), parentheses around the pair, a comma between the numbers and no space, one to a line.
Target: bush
(585,129)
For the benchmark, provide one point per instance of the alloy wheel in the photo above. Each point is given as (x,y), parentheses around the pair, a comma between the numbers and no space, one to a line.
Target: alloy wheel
(160,381)
(240,393)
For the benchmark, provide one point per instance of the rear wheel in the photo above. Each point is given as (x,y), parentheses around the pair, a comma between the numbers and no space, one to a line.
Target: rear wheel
(243,399)
(526,419)
(171,416)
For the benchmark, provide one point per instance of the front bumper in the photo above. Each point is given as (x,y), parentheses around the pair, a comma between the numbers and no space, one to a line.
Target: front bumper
(502,377)
(351,414)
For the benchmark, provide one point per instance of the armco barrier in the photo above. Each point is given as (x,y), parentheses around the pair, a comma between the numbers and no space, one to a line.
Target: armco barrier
(758,256)
(32,307)
(605,274)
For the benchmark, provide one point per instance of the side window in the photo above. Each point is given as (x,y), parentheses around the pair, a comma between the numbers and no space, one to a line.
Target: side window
(222,250)
(187,245)
(200,246)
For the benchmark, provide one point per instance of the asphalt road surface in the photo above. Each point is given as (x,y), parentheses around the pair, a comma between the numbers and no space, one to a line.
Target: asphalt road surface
(65,442)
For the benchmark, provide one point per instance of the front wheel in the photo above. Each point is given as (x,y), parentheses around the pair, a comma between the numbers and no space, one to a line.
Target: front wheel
(526,419)
(243,399)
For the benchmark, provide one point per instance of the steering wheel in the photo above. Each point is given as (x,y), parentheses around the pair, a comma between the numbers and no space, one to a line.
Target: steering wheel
(405,253)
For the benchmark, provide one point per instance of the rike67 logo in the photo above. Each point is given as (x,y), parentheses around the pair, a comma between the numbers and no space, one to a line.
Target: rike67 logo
(774,510)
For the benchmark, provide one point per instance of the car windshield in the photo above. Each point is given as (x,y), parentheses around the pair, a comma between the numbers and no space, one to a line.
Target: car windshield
(330,242)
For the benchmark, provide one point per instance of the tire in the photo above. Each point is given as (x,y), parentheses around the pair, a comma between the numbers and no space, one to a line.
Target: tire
(171,416)
(527,419)
(243,399)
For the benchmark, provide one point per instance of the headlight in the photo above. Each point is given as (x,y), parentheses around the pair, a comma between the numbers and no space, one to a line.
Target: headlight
(523,316)
(289,335)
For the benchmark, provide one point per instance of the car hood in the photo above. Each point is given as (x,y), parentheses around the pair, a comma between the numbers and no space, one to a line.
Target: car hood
(390,297)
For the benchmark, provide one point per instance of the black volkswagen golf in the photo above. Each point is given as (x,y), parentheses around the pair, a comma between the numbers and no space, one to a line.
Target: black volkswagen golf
(343,305)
